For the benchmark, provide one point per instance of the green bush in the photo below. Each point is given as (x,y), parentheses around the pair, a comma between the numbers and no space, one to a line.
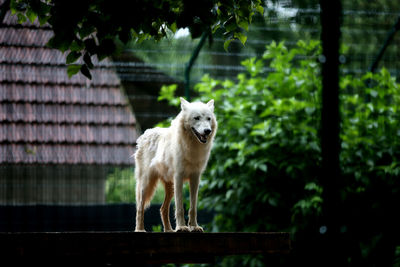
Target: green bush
(121,187)
(263,174)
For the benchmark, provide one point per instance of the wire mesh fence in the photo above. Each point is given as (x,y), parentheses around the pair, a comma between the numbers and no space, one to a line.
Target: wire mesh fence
(81,154)
(364,30)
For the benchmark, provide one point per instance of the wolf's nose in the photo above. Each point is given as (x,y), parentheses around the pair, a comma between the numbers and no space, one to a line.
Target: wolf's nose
(207,131)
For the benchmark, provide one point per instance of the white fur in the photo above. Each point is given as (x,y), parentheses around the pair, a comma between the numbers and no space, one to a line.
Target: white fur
(173,155)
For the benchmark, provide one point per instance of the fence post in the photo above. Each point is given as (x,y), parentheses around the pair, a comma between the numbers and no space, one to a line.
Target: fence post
(329,227)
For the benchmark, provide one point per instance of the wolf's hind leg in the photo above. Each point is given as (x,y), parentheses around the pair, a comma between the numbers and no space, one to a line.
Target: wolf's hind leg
(145,187)
(139,207)
(169,193)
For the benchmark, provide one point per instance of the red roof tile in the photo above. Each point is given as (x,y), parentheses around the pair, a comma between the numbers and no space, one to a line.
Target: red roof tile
(24,37)
(55,74)
(47,117)
(65,133)
(28,55)
(66,154)
(56,113)
(63,94)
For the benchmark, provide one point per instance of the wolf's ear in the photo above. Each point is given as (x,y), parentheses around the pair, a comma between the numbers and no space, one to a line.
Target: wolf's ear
(184,104)
(210,104)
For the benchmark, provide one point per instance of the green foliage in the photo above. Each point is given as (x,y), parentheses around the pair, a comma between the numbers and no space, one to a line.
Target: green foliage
(90,28)
(264,170)
(268,139)
(370,128)
(157,228)
(121,184)
(167,93)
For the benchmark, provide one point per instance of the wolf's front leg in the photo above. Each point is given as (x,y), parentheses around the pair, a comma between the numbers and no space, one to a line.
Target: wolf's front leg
(194,189)
(179,212)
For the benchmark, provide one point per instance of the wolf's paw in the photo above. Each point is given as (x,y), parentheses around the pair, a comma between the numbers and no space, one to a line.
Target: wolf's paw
(180,229)
(196,229)
(168,231)
(140,231)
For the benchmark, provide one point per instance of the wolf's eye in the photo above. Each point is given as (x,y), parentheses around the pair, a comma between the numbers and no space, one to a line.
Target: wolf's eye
(197,118)
(208,118)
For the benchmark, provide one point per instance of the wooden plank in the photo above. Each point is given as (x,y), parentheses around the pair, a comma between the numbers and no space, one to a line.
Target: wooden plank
(123,248)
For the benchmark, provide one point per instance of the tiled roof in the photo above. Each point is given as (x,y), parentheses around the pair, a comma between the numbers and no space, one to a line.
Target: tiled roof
(66,133)
(65,94)
(60,113)
(22,73)
(47,117)
(25,36)
(65,154)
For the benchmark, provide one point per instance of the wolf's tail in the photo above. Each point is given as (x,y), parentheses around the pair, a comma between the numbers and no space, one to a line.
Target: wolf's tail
(145,188)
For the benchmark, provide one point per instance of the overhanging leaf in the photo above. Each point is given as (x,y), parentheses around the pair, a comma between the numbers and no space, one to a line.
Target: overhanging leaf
(87,59)
(243,24)
(85,71)
(73,69)
(230,25)
(73,56)
(76,45)
(31,15)
(242,38)
(226,44)
(21,18)
(173,27)
(260,9)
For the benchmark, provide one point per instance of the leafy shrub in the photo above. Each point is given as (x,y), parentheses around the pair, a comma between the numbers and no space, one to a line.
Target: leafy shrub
(263,174)
(121,184)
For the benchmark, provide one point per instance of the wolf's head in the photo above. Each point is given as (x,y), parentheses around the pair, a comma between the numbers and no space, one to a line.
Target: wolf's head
(200,119)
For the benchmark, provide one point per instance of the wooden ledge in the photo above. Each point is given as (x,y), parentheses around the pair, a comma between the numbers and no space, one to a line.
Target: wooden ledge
(122,248)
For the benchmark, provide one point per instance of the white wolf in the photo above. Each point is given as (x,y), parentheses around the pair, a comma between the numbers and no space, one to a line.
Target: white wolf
(174,155)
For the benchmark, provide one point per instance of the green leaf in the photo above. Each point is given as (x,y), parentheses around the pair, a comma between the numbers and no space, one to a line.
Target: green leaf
(263,167)
(310,110)
(173,27)
(230,25)
(90,45)
(226,44)
(21,18)
(242,38)
(73,69)
(273,202)
(59,42)
(167,93)
(87,59)
(260,9)
(243,24)
(31,15)
(229,193)
(72,57)
(13,7)
(142,37)
(43,9)
(43,20)
(373,93)
(85,31)
(76,45)
(85,71)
